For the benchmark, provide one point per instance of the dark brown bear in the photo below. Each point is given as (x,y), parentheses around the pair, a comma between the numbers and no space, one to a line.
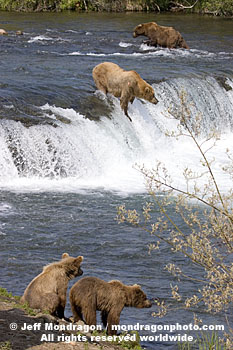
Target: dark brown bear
(48,290)
(160,36)
(91,294)
(127,85)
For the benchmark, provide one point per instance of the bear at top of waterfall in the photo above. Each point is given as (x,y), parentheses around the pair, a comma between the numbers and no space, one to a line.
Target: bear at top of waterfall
(160,35)
(110,78)
(91,294)
(48,290)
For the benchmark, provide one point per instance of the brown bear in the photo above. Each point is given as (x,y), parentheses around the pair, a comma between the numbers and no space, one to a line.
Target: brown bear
(127,85)
(3,32)
(161,36)
(91,293)
(48,290)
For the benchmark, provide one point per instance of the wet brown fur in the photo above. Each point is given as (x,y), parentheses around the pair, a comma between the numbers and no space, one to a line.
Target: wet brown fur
(110,78)
(90,294)
(161,36)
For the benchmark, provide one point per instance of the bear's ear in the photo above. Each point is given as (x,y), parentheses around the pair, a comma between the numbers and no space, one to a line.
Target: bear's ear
(139,26)
(65,255)
(79,259)
(137,286)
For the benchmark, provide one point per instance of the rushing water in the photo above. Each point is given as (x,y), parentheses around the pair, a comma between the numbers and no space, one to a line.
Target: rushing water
(67,153)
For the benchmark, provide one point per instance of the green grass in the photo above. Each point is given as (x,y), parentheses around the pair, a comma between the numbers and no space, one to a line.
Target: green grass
(130,345)
(5,345)
(16,299)
(204,341)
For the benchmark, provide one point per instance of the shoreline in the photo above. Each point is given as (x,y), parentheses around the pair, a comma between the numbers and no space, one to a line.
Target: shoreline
(122,6)
(24,328)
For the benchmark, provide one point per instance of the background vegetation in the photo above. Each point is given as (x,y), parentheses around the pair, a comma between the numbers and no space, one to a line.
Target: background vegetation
(215,7)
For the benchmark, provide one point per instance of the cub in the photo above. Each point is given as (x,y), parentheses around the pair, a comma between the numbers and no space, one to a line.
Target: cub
(48,290)
(91,294)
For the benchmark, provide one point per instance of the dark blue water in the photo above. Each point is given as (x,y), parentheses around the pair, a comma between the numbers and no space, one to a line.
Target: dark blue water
(67,153)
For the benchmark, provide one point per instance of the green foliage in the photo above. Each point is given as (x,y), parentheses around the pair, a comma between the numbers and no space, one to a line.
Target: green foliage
(5,345)
(130,345)
(5,294)
(206,341)
(215,7)
(199,226)
(218,7)
(28,5)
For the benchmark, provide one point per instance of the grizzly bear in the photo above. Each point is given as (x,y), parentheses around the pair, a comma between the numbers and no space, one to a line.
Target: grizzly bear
(48,290)
(3,32)
(91,293)
(127,85)
(161,36)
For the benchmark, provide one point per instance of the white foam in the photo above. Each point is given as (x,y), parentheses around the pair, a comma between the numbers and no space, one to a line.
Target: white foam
(5,207)
(44,38)
(122,44)
(39,38)
(88,154)
(150,51)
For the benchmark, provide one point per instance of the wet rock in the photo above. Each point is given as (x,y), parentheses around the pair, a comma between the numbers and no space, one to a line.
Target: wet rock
(223,83)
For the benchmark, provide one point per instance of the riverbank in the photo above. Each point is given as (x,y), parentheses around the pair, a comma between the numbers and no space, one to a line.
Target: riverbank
(14,316)
(213,7)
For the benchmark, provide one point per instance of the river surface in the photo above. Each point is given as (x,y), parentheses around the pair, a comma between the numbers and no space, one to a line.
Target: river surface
(67,153)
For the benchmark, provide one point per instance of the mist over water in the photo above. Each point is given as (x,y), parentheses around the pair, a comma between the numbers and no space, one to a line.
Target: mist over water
(68,153)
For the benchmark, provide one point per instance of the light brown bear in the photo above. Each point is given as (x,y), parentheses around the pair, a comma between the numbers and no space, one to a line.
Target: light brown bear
(3,32)
(91,293)
(161,36)
(48,290)
(127,85)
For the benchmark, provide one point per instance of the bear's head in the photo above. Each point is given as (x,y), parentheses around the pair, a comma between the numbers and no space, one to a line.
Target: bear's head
(139,30)
(139,298)
(72,265)
(149,94)
(142,29)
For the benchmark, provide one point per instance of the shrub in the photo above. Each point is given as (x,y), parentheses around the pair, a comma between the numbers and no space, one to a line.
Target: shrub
(202,227)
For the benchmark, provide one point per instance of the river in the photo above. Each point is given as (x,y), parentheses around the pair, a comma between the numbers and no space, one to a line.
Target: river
(67,153)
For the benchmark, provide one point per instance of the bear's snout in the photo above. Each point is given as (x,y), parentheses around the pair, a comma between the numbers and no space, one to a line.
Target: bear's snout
(135,34)
(154,101)
(148,303)
(80,272)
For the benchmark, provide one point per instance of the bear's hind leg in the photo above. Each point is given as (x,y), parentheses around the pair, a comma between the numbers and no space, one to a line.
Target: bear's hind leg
(51,302)
(113,320)
(77,313)
(90,317)
(104,317)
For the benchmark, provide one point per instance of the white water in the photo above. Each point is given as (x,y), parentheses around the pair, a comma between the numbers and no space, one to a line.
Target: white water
(147,51)
(86,154)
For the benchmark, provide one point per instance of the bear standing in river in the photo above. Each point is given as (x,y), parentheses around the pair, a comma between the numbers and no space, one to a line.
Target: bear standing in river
(48,290)
(127,85)
(91,293)
(161,36)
